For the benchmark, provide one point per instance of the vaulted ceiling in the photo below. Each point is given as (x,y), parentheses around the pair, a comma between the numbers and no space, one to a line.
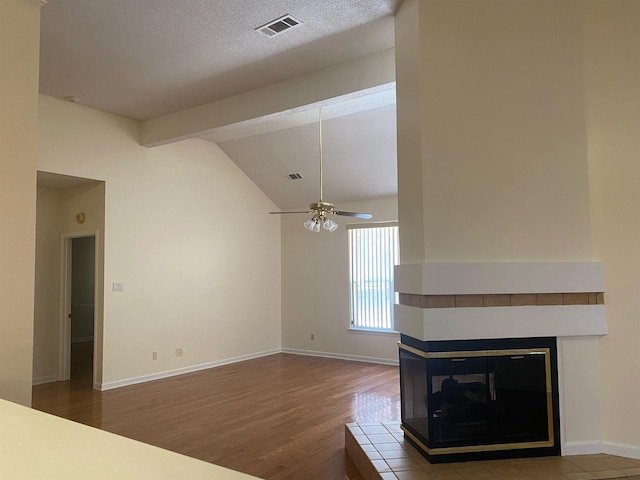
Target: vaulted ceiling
(147,59)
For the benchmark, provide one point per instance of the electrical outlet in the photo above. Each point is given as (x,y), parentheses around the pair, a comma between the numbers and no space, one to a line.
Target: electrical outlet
(154,355)
(313,337)
(178,351)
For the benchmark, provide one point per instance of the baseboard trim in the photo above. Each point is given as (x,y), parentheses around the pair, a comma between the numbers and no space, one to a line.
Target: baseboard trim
(583,448)
(341,356)
(42,380)
(204,366)
(595,446)
(180,371)
(621,450)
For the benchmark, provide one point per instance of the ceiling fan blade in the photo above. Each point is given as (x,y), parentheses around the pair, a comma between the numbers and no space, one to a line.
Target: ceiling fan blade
(298,211)
(365,216)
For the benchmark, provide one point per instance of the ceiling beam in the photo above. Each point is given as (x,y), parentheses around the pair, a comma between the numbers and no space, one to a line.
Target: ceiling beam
(348,80)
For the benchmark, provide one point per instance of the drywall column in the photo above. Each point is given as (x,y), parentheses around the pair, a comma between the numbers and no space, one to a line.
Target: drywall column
(19,53)
(492,155)
(492,159)
(409,124)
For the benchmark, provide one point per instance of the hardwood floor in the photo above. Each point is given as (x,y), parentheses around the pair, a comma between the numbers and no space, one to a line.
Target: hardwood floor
(279,417)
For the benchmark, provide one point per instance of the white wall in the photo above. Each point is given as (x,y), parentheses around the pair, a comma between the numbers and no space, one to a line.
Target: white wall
(185,231)
(315,288)
(45,328)
(19,47)
(612,82)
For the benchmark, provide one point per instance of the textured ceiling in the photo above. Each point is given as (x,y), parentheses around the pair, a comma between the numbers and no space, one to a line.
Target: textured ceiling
(147,58)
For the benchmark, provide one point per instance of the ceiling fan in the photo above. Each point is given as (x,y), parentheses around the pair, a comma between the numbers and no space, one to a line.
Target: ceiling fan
(321,210)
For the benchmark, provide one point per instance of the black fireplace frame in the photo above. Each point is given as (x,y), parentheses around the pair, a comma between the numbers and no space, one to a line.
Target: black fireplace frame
(479,349)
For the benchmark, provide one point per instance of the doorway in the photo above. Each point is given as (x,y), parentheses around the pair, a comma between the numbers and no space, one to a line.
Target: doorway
(68,313)
(82,307)
(77,327)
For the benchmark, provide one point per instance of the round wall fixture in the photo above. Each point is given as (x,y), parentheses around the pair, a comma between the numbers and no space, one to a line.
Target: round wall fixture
(80,218)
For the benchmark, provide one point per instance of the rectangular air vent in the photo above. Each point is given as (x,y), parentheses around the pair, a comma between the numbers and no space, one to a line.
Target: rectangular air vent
(294,176)
(278,25)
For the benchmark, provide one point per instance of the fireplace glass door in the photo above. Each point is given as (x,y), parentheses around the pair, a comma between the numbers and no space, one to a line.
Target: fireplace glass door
(477,398)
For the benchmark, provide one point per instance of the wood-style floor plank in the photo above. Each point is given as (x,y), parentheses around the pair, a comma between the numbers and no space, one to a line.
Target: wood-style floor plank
(279,417)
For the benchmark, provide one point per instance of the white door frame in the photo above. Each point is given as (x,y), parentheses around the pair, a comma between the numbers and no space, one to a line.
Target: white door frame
(64,323)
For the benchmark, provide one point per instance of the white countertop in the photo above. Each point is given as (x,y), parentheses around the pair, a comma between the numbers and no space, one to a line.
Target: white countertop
(36,445)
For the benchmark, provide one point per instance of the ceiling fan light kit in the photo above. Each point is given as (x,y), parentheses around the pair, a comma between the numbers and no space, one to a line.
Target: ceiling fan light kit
(320,209)
(313,224)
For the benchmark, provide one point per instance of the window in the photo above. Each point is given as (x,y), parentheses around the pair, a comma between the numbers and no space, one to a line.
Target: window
(373,251)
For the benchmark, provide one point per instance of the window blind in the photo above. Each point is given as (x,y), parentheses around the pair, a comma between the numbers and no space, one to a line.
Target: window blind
(373,252)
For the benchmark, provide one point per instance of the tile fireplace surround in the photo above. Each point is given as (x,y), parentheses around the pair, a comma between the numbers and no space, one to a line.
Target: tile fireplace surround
(380,452)
(565,300)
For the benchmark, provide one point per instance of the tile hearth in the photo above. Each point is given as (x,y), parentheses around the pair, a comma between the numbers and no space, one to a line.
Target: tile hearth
(381,453)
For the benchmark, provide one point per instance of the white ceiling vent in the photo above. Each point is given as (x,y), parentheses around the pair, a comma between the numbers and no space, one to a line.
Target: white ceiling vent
(295,176)
(279,25)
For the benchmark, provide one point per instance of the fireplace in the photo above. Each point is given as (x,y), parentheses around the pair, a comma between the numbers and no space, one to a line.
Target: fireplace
(471,333)
(473,399)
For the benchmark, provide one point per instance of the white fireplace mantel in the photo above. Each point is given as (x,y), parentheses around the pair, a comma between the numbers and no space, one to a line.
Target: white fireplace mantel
(500,321)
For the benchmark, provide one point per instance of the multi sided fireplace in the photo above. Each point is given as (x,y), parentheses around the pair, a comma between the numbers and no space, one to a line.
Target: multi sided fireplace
(472,399)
